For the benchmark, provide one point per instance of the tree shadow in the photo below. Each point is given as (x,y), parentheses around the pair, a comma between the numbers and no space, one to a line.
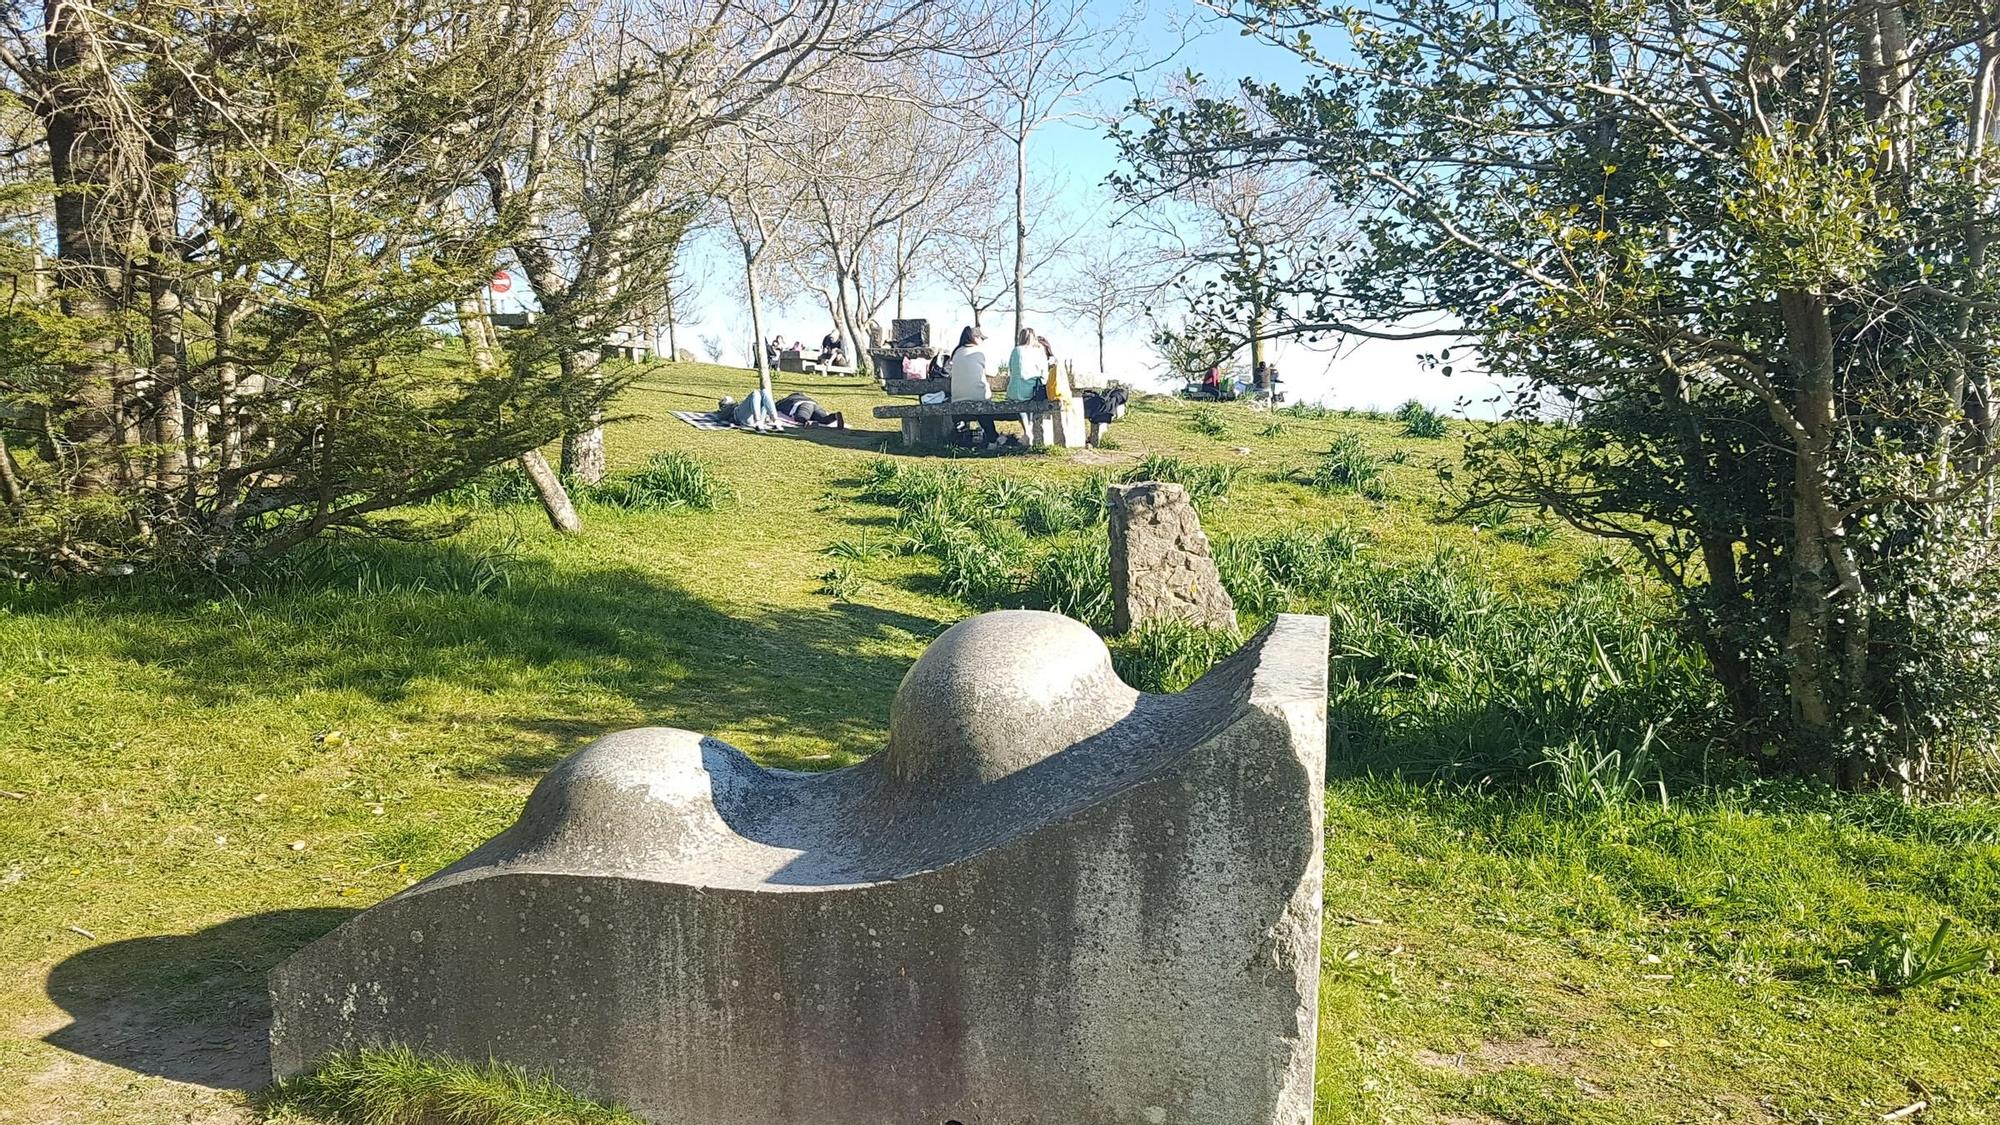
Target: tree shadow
(403,619)
(190,1007)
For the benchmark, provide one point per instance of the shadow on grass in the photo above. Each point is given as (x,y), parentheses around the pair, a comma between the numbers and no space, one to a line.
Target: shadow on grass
(190,1007)
(567,653)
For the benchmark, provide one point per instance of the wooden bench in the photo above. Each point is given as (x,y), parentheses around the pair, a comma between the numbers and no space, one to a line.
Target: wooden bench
(1047,423)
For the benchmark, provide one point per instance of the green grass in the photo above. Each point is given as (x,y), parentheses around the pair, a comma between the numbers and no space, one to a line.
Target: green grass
(397,1086)
(201,776)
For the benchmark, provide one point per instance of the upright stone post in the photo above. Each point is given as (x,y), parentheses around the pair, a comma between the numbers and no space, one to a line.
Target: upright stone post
(1161,568)
(1049,899)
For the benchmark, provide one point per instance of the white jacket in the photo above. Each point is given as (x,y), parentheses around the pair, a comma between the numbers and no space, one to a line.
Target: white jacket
(970,370)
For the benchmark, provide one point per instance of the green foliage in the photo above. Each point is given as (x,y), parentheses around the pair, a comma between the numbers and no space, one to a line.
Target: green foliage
(841,583)
(1205,482)
(1420,421)
(502,486)
(398,1086)
(1285,571)
(668,481)
(1897,962)
(1310,411)
(1207,421)
(1273,429)
(1171,655)
(1347,466)
(1074,579)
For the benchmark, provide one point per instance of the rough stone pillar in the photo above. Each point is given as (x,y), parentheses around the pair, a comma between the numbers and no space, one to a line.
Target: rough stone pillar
(1160,564)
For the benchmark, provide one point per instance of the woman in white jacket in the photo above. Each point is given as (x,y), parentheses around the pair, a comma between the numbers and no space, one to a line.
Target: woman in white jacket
(971,372)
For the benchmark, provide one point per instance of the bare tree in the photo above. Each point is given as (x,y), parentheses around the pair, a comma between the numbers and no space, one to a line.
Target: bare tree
(1060,55)
(1107,282)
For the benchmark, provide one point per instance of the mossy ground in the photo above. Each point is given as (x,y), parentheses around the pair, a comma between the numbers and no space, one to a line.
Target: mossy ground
(200,777)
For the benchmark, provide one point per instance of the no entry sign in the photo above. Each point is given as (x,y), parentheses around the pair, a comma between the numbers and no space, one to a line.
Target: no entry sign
(502,281)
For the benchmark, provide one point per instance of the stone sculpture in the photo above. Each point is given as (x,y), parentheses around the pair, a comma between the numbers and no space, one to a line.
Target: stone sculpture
(1051,899)
(1161,568)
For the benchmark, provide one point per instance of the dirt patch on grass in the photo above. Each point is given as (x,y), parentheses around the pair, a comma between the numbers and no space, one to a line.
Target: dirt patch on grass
(1534,1050)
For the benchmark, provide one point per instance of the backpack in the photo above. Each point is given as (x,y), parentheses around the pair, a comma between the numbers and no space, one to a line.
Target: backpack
(1104,406)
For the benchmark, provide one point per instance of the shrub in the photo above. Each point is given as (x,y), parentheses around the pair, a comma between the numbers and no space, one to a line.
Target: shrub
(1437,673)
(1309,410)
(1203,481)
(1170,655)
(840,583)
(1348,467)
(1047,510)
(666,481)
(1292,569)
(977,569)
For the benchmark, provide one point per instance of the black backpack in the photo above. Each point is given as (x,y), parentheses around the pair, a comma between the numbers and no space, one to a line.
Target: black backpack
(1104,406)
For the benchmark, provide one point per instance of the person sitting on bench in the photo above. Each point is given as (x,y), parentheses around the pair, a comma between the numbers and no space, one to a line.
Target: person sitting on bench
(806,412)
(970,378)
(829,351)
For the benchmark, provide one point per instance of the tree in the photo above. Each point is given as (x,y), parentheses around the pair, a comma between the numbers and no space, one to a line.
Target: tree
(977,252)
(1106,284)
(888,168)
(237,353)
(1745,251)
(607,171)
(1059,54)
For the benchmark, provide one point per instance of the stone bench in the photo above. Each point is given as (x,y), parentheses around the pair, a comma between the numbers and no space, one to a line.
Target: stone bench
(1046,423)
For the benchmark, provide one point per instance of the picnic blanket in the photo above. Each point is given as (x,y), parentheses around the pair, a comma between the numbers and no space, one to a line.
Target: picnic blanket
(706,420)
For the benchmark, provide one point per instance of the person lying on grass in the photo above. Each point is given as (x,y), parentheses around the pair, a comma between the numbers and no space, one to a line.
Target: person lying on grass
(806,412)
(755,412)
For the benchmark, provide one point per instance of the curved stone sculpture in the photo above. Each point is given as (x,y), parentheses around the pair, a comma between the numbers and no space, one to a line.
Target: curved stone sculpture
(1052,900)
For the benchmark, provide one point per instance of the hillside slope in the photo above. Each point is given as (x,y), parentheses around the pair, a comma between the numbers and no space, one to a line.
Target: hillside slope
(200,776)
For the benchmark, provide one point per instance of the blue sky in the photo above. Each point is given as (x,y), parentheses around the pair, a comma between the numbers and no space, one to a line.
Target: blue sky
(1079,155)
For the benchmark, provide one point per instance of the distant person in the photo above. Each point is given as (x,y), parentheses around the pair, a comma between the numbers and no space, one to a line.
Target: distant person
(806,412)
(1211,381)
(971,378)
(829,350)
(1027,368)
(753,413)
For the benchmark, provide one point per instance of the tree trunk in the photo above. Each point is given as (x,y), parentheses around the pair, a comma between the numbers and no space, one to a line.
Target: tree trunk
(756,319)
(477,330)
(88,266)
(583,450)
(1828,673)
(1021,223)
(169,422)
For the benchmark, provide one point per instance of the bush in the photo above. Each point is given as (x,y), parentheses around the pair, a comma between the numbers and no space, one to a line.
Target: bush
(667,481)
(1203,481)
(1421,421)
(1348,467)
(1171,655)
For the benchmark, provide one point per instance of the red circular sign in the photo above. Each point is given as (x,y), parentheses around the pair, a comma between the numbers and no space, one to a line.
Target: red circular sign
(502,281)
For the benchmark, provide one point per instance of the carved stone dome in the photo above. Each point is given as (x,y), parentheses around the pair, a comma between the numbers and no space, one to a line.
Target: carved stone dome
(999,692)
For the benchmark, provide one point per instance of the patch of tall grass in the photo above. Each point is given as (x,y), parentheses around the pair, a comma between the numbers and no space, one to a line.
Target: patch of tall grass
(1074,579)
(667,481)
(1205,481)
(1347,466)
(1420,421)
(1170,655)
(1207,421)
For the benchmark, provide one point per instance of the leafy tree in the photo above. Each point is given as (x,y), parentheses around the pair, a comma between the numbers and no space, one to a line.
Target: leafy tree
(237,233)
(1737,259)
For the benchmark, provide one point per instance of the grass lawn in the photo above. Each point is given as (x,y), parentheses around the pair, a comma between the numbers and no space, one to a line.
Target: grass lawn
(199,778)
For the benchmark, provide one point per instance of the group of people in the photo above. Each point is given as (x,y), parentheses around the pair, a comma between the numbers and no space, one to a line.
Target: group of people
(831,352)
(1217,385)
(1030,375)
(759,413)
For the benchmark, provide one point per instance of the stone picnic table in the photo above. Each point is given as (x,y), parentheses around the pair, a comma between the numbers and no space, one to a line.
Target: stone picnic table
(1044,423)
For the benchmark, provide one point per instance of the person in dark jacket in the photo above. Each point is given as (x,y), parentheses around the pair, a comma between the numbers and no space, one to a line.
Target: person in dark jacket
(806,412)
